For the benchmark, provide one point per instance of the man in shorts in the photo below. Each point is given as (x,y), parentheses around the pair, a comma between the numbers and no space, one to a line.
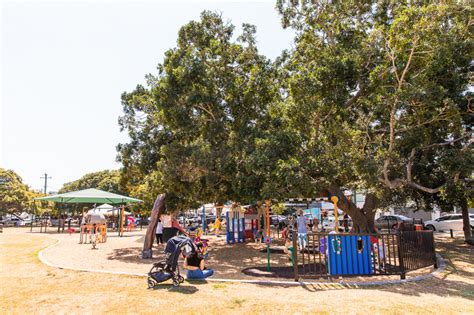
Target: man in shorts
(302,230)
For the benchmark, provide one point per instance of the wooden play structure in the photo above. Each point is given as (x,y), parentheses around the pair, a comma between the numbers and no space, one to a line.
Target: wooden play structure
(94,229)
(91,232)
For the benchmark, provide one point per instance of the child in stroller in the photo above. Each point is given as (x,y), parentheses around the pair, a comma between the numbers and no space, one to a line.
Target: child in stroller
(168,269)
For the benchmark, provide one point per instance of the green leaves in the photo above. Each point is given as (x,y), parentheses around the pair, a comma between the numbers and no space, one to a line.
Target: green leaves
(14,195)
(370,82)
(108,180)
(208,103)
(366,100)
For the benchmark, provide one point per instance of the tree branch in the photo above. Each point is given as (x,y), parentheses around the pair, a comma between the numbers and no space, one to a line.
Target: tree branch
(206,110)
(410,57)
(409,177)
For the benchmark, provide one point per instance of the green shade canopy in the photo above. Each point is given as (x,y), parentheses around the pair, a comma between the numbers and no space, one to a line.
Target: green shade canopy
(90,195)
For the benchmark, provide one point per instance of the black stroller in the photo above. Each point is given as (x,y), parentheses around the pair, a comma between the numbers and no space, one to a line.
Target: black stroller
(168,269)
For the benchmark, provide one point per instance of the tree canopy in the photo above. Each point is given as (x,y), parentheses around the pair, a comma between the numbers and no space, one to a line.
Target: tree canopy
(374,96)
(193,129)
(379,94)
(107,180)
(15,196)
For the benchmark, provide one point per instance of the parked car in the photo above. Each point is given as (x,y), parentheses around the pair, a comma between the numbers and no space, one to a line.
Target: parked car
(329,221)
(195,219)
(276,219)
(391,221)
(15,222)
(448,222)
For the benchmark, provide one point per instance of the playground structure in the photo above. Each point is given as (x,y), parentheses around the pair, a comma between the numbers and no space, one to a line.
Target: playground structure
(93,232)
(96,229)
(241,225)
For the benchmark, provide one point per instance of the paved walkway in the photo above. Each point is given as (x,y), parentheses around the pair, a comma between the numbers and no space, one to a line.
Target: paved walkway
(122,254)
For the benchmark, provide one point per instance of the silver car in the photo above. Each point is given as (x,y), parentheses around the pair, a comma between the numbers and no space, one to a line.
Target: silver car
(391,221)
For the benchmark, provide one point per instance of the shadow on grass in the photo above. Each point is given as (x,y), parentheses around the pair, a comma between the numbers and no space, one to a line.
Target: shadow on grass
(183,289)
(458,256)
(133,255)
(438,287)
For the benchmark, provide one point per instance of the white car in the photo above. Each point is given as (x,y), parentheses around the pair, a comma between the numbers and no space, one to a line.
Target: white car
(448,222)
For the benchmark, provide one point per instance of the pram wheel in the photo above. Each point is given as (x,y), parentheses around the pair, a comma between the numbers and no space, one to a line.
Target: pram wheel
(181,279)
(151,283)
(175,283)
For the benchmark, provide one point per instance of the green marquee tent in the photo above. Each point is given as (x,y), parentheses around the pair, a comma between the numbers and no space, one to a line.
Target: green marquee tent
(90,195)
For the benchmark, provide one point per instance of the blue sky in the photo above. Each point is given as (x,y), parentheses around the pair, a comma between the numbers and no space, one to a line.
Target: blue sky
(66,63)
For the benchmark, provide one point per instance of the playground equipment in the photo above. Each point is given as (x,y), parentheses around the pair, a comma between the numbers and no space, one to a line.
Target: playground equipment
(89,196)
(251,222)
(268,241)
(334,199)
(349,254)
(95,230)
(241,224)
(235,225)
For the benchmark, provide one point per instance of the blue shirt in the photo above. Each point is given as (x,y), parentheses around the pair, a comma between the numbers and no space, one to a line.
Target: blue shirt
(301,221)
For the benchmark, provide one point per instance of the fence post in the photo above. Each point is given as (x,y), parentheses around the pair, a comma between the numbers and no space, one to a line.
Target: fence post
(295,255)
(400,257)
(435,265)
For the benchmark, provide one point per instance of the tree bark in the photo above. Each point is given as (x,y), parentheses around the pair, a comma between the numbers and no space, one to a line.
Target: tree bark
(466,224)
(150,232)
(362,219)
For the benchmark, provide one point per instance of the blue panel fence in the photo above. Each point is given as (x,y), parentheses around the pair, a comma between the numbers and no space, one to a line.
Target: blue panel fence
(345,254)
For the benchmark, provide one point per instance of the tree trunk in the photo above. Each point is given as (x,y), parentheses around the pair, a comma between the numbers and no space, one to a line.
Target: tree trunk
(150,232)
(363,219)
(466,225)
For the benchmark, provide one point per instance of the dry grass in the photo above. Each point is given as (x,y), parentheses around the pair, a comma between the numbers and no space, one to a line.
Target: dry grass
(28,286)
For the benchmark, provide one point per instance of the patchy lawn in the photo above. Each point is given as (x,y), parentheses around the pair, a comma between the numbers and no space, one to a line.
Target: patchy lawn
(28,286)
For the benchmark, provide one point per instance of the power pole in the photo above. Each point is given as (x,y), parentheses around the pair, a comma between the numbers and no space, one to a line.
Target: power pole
(45,182)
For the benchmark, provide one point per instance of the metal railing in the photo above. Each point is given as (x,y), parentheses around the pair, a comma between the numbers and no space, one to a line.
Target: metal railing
(325,255)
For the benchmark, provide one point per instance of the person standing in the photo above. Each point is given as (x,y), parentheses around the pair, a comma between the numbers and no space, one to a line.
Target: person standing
(316,224)
(217,226)
(302,230)
(310,224)
(159,233)
(345,222)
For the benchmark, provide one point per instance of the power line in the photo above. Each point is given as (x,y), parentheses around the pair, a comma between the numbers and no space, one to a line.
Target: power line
(45,182)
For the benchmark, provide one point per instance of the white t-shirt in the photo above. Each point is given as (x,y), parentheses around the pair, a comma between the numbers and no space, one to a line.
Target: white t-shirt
(159,228)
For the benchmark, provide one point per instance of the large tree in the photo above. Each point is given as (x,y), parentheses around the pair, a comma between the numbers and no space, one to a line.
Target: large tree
(193,129)
(15,196)
(107,180)
(378,93)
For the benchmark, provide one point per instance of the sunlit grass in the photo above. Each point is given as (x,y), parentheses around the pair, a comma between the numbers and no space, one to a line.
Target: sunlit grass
(28,286)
